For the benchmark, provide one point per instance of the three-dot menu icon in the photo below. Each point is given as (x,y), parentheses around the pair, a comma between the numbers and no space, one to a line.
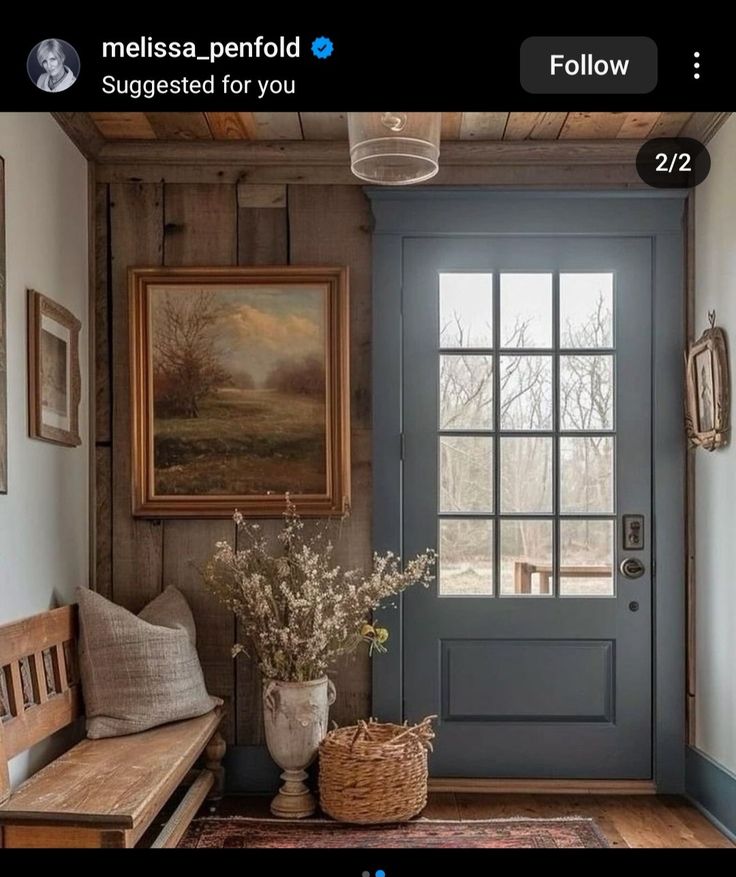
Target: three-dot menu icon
(696,65)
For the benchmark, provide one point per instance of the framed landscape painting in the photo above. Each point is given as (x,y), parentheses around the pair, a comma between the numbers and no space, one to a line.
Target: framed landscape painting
(240,391)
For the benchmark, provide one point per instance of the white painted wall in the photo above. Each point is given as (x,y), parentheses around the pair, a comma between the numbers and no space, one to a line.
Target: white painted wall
(715,473)
(44,523)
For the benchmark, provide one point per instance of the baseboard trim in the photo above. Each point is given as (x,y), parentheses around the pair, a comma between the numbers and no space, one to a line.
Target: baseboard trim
(712,789)
(542,787)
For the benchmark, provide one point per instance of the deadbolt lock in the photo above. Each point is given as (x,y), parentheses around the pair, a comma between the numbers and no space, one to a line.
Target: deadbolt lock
(632,568)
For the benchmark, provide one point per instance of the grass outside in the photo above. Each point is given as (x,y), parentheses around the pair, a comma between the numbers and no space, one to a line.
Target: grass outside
(244,442)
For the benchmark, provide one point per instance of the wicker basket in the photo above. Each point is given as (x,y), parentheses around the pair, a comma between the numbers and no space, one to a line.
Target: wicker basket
(370,773)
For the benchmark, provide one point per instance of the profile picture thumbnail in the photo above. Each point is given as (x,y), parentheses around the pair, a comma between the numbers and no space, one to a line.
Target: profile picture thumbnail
(53,65)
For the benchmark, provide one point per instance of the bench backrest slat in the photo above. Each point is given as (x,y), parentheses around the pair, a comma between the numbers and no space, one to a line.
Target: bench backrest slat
(40,649)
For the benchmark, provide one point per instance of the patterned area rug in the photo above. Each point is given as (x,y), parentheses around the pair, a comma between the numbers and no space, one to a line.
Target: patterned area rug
(240,832)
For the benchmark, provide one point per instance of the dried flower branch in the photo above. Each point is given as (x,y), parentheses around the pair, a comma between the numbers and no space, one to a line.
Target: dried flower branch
(297,610)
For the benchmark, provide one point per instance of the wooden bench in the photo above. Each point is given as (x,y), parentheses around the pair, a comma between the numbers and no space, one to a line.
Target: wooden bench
(100,793)
(523,573)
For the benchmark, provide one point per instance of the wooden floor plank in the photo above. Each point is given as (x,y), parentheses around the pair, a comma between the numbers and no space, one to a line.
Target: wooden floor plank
(706,835)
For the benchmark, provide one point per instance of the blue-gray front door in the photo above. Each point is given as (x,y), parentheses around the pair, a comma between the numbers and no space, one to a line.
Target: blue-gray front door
(526,450)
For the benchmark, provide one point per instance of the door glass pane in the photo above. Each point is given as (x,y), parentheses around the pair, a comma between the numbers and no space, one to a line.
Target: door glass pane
(465,310)
(586,310)
(586,392)
(526,558)
(466,392)
(526,310)
(526,474)
(466,557)
(466,474)
(586,474)
(586,558)
(526,392)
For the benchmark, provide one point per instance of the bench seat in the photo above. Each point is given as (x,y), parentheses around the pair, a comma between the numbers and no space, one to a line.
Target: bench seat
(117,784)
(100,792)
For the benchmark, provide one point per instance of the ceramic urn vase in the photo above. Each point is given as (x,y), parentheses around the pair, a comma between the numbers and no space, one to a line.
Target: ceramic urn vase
(295,720)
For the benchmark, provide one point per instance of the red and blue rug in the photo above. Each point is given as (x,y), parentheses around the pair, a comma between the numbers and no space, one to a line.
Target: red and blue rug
(248,833)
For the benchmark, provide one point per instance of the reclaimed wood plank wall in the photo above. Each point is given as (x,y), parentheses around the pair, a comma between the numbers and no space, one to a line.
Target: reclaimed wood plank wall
(176,224)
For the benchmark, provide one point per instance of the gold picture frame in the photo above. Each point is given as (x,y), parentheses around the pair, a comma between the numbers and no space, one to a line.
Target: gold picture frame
(54,378)
(240,391)
(708,390)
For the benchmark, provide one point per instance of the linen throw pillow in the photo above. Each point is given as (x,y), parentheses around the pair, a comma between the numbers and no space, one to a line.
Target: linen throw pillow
(139,671)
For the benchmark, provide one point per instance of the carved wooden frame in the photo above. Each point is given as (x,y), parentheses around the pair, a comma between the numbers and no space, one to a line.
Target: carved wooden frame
(707,428)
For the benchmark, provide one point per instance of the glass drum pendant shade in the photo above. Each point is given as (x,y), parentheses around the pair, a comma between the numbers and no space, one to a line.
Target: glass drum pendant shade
(394,149)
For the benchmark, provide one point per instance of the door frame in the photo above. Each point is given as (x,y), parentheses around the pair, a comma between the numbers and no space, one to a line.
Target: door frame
(453,212)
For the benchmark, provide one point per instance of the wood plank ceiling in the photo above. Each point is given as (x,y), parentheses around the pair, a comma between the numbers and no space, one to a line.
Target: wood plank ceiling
(333,126)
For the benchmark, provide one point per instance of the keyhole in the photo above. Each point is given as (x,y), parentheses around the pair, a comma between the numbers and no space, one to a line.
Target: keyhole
(634,606)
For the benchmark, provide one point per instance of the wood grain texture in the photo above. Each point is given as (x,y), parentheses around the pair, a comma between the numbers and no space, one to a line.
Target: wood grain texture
(136,238)
(638,125)
(37,633)
(123,126)
(90,131)
(179,820)
(34,715)
(179,126)
(103,376)
(262,240)
(117,781)
(200,225)
(332,225)
(277,126)
(548,126)
(4,772)
(103,525)
(669,124)
(231,126)
(534,126)
(451,123)
(588,126)
(324,126)
(66,837)
(576,174)
(261,196)
(519,126)
(704,833)
(201,222)
(115,785)
(38,722)
(38,674)
(483,126)
(311,154)
(262,230)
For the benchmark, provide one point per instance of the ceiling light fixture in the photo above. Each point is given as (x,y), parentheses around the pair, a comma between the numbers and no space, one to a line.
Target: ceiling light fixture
(394,149)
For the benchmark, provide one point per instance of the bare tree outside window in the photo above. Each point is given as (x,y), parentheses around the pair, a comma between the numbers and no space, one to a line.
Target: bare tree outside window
(525,405)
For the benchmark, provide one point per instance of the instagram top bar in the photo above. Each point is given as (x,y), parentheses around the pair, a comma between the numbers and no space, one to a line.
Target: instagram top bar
(334,68)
